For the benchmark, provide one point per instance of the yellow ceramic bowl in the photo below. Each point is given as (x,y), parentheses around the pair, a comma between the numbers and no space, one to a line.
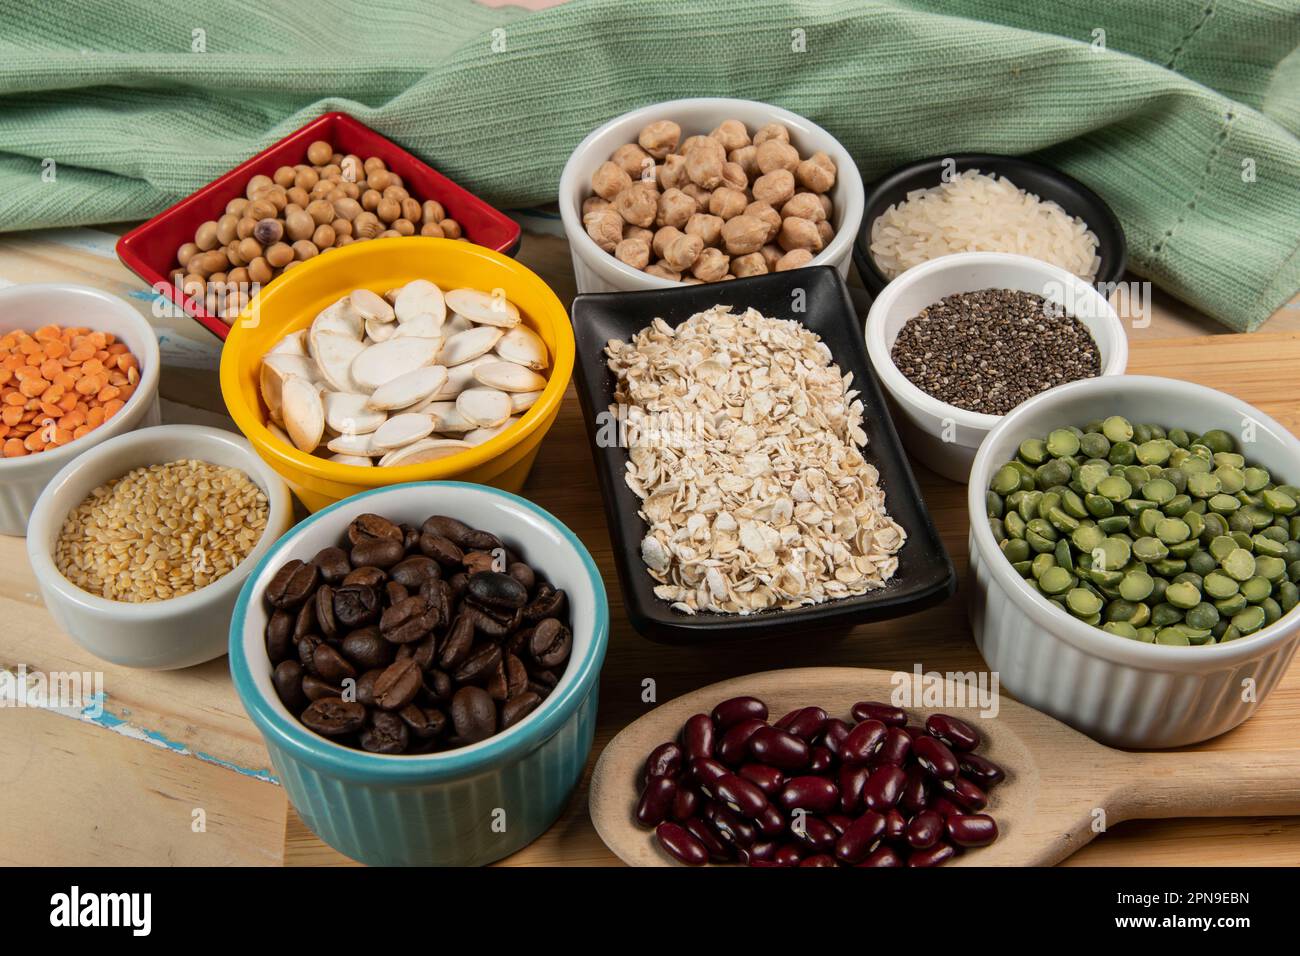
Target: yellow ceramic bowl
(294,299)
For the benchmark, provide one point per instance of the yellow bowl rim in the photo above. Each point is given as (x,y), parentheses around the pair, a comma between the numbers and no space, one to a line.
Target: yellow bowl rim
(254,429)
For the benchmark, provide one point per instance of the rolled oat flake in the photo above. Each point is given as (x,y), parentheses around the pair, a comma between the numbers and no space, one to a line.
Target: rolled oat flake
(989,350)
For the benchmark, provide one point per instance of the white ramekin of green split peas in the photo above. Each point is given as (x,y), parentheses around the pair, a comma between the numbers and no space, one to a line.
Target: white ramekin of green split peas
(1135,551)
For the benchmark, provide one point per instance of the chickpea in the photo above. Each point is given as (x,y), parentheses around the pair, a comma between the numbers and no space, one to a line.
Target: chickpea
(771,255)
(237,276)
(775,154)
(671,174)
(708,227)
(699,194)
(816,173)
(826,231)
(260,209)
(663,272)
(332,172)
(804,206)
(682,251)
(388,210)
(347,209)
(396,192)
(321,211)
(256,184)
(751,265)
(205,237)
(304,250)
(432,229)
(322,189)
(370,199)
(765,212)
(605,226)
(827,205)
(186,252)
(212,261)
(675,208)
(237,205)
(299,225)
(319,152)
(774,188)
(394,179)
(341,227)
(374,163)
(379,180)
(297,197)
(631,158)
(277,255)
(704,165)
(661,239)
(403,227)
(734,176)
(638,204)
(411,210)
(744,234)
(307,178)
(276,196)
(432,211)
(660,138)
(799,233)
(727,203)
(451,228)
(366,226)
(351,190)
(747,159)
(692,141)
(249,249)
(771,131)
(231,250)
(594,204)
(324,236)
(247,226)
(609,180)
(794,259)
(637,232)
(732,134)
(711,266)
(634,252)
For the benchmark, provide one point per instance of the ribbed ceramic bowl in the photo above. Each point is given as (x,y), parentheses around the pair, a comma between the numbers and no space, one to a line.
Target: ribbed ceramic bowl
(161,635)
(292,302)
(1120,691)
(66,304)
(464,807)
(597,271)
(943,436)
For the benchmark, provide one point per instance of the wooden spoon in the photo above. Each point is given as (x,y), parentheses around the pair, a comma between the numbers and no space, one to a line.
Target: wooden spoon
(1062,788)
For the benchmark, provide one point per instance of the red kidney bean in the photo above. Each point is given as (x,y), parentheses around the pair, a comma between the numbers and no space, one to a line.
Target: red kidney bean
(887,714)
(814,794)
(852,779)
(971,829)
(884,788)
(944,807)
(664,761)
(730,826)
(935,757)
(819,860)
(924,830)
(736,709)
(699,736)
(839,822)
(770,821)
(678,841)
(980,769)
(934,856)
(863,742)
(656,801)
(915,795)
(703,831)
(816,834)
(779,749)
(740,794)
(965,794)
(706,772)
(805,723)
(760,852)
(733,748)
(768,779)
(822,759)
(895,826)
(685,804)
(787,854)
(833,734)
(861,837)
(957,734)
(883,856)
(896,747)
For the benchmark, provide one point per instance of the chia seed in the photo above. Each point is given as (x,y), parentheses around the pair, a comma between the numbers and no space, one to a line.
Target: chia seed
(990,350)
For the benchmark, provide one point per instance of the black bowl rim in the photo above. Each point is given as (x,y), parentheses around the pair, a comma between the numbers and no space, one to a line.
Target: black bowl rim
(664,626)
(1106,225)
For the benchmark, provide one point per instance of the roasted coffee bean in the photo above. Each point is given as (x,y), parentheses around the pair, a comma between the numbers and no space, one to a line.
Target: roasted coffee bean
(494,589)
(550,643)
(473,714)
(546,602)
(372,527)
(407,621)
(450,528)
(366,686)
(423,722)
(495,684)
(395,593)
(441,549)
(369,577)
(478,540)
(365,648)
(377,552)
(437,594)
(356,605)
(329,665)
(547,679)
(333,563)
(397,685)
(478,665)
(304,621)
(385,734)
(491,622)
(412,572)
(307,649)
(334,717)
(292,585)
(438,686)
(479,562)
(323,609)
(424,652)
(287,681)
(459,640)
(459,584)
(280,644)
(316,688)
(517,707)
(516,675)
(410,537)
(522,573)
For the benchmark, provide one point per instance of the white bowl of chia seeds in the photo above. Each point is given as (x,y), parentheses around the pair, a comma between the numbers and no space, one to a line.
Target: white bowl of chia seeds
(961,340)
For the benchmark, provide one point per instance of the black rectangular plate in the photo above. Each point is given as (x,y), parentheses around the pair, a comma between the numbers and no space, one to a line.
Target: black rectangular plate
(925,573)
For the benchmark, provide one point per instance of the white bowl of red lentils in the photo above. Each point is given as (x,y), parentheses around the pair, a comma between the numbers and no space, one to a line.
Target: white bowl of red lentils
(77,367)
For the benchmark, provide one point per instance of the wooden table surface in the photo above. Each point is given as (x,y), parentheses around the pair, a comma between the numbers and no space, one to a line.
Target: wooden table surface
(164,768)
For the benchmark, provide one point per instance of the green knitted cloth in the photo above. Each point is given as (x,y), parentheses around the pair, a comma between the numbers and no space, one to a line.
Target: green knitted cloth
(1183,115)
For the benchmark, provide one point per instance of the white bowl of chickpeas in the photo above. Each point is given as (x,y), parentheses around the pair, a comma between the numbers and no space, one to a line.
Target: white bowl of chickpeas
(707,190)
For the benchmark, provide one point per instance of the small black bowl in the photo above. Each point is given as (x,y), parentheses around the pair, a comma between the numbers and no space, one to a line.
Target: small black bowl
(925,574)
(1044,181)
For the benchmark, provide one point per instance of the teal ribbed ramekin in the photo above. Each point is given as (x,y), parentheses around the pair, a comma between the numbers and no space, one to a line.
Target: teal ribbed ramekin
(464,807)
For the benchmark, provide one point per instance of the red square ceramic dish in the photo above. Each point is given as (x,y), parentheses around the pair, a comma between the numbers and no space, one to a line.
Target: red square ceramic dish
(149,250)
